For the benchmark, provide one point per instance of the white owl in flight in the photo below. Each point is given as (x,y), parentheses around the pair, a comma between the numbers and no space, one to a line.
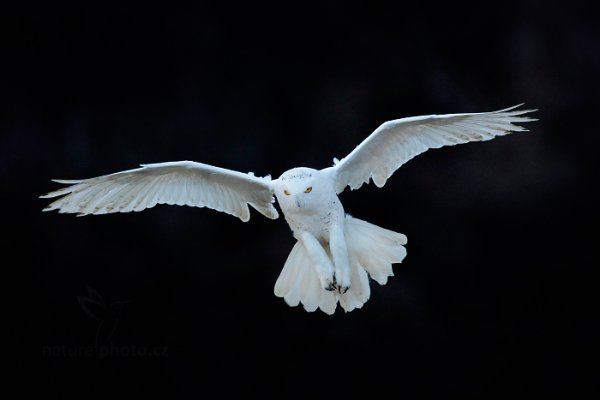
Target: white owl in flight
(335,253)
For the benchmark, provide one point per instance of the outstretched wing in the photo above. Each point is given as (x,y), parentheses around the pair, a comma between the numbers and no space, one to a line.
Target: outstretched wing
(181,183)
(395,142)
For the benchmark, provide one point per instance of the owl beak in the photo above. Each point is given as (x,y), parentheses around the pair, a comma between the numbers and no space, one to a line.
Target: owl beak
(298,202)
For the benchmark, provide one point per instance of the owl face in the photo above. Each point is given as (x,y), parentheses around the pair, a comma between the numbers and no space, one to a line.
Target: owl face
(300,189)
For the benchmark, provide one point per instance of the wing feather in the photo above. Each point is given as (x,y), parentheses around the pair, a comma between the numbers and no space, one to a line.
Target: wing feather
(175,183)
(396,142)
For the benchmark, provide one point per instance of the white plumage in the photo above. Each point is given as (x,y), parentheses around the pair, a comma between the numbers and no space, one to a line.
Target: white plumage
(180,183)
(335,253)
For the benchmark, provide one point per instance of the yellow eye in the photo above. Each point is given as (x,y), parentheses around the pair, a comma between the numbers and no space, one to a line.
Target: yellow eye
(286,192)
(308,189)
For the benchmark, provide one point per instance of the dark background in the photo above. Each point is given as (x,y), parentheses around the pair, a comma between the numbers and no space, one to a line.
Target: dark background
(496,296)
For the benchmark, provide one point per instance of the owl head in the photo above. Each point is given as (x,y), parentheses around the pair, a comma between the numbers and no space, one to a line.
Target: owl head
(302,188)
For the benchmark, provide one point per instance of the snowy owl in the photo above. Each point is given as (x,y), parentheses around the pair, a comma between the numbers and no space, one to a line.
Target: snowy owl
(334,254)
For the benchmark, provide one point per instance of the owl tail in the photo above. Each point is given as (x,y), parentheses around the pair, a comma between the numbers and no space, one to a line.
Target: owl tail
(371,251)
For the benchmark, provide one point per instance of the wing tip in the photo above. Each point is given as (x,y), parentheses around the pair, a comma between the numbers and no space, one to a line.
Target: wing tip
(510,108)
(67,181)
(61,191)
(513,110)
(53,194)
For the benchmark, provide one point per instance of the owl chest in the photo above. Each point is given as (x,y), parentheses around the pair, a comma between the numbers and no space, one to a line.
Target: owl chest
(317,223)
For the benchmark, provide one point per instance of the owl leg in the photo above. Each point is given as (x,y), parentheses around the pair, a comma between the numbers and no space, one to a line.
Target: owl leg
(320,260)
(339,253)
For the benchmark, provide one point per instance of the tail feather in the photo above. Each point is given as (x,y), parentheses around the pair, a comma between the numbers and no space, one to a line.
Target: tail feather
(371,250)
(310,292)
(378,267)
(299,282)
(375,248)
(359,291)
(288,279)
(288,274)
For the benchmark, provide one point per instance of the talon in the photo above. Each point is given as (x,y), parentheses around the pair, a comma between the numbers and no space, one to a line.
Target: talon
(346,289)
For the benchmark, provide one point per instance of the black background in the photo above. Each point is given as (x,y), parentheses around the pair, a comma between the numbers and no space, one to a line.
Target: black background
(495,298)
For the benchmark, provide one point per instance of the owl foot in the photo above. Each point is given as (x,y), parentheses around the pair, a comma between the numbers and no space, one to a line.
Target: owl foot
(341,281)
(329,284)
(335,286)
(341,289)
